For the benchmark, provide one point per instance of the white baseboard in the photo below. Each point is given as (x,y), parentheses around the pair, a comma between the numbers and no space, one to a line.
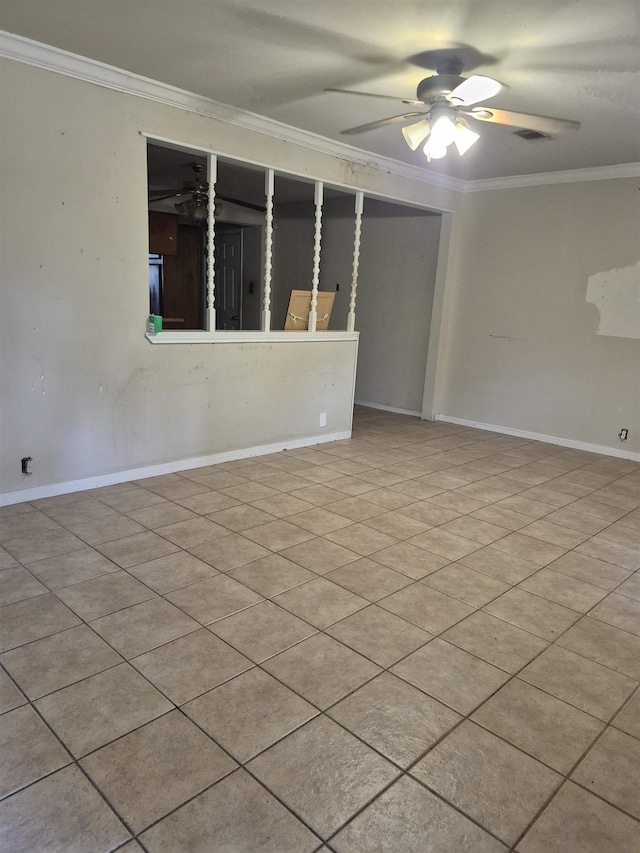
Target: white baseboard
(165,468)
(548,439)
(396,411)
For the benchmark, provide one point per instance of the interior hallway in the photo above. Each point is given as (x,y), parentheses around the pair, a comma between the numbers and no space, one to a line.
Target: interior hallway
(423,638)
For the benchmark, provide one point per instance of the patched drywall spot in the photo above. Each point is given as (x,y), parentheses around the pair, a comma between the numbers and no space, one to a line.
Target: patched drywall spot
(616,295)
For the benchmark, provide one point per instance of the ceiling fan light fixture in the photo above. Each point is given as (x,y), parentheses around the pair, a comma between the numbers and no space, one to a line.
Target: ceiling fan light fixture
(416,133)
(434,150)
(193,208)
(464,138)
(443,131)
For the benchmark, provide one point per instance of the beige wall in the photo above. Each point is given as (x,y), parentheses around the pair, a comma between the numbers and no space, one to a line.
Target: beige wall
(81,389)
(522,346)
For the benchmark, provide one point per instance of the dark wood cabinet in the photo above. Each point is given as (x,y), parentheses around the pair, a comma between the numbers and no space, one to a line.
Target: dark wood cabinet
(163,233)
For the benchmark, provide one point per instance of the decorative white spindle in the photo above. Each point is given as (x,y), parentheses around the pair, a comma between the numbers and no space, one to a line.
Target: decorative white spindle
(212,171)
(351,316)
(313,310)
(268,255)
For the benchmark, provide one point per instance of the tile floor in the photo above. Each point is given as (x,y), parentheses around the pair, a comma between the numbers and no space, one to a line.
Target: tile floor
(425,638)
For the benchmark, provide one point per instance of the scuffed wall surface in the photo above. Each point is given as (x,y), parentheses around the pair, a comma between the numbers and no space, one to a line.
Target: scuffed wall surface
(523,348)
(75,297)
(616,295)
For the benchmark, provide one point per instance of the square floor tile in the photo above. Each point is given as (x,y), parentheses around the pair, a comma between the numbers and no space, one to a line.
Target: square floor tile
(323,773)
(628,720)
(239,518)
(445,544)
(450,675)
(33,618)
(495,641)
(631,587)
(63,812)
(101,708)
(151,771)
(160,515)
(624,556)
(409,818)
(321,670)
(191,665)
(17,584)
(504,567)
(105,594)
(42,545)
(605,644)
(59,660)
(388,499)
(270,575)
(468,585)
(587,685)
(541,725)
(428,513)
(262,631)
(10,696)
(319,555)
(249,713)
(144,626)
(25,524)
(530,549)
(236,815)
(534,614)
(319,520)
(278,535)
(29,750)
(612,770)
(320,602)
(229,552)
(73,567)
(213,598)
(502,517)
(361,539)
(394,718)
(165,574)
(475,529)
(590,570)
(379,635)
(489,780)
(140,548)
(564,590)
(426,607)
(207,502)
(318,494)
(368,579)
(397,525)
(620,611)
(576,820)
(414,562)
(106,529)
(193,532)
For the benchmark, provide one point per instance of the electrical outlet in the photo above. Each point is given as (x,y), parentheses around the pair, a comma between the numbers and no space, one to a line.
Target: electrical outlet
(323,419)
(623,435)
(27,464)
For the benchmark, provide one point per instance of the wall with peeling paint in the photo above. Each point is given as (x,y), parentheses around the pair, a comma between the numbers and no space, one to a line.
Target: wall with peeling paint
(527,348)
(75,296)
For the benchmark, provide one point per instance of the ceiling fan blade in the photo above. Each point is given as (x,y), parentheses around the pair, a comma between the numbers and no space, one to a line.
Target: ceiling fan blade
(374,95)
(543,124)
(476,88)
(160,195)
(372,125)
(259,207)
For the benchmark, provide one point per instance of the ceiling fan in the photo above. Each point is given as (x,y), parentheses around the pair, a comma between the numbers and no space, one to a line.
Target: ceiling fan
(195,203)
(448,102)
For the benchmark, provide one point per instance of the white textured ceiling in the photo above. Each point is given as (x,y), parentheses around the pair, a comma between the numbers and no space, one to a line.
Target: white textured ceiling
(575,59)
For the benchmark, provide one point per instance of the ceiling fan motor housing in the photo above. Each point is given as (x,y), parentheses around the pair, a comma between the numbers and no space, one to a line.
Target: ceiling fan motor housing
(440,85)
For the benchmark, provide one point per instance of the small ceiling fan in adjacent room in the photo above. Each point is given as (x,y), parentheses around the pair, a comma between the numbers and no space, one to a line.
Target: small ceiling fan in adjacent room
(193,197)
(448,112)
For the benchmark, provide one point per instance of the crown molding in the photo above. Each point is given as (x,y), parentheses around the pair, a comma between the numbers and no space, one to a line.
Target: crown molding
(570,176)
(60,61)
(54,59)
